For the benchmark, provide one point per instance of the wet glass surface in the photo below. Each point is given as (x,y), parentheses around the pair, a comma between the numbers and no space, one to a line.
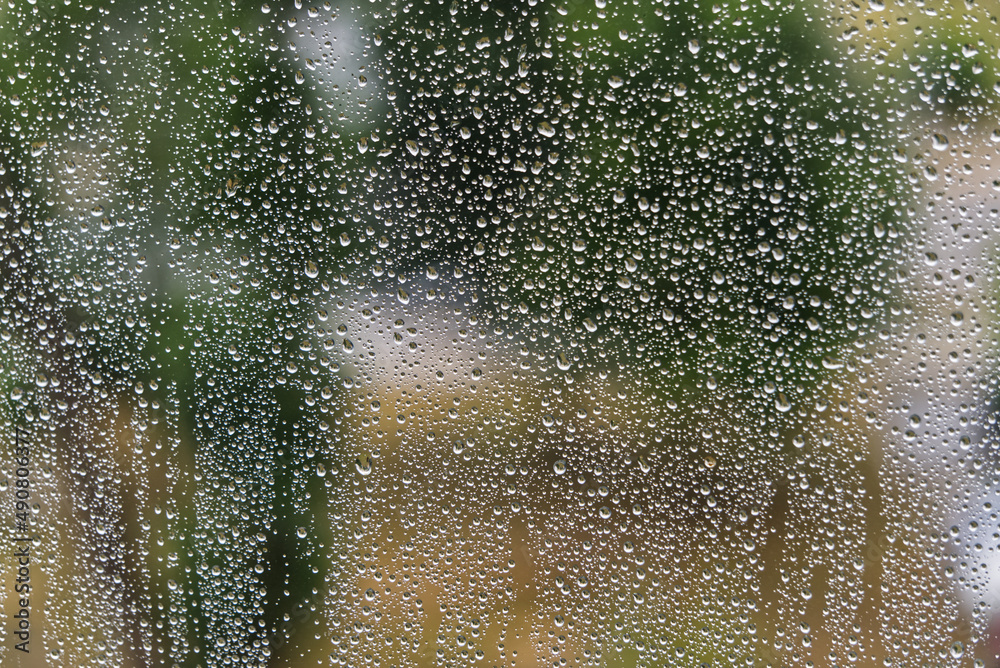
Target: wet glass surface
(511,334)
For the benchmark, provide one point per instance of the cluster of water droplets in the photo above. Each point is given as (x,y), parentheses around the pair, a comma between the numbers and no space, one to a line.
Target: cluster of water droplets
(503,333)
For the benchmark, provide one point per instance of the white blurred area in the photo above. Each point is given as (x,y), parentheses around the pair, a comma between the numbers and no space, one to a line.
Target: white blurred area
(337,59)
(937,457)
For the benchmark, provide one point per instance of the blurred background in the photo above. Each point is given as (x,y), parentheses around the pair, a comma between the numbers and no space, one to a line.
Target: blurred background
(528,334)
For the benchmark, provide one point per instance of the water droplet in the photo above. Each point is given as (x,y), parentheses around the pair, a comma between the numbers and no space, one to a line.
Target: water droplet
(832,363)
(363,467)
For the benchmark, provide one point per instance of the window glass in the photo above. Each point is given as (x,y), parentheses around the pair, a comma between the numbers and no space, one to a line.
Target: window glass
(648,333)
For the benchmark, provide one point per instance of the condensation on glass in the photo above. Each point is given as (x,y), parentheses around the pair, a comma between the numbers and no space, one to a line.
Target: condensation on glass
(652,333)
